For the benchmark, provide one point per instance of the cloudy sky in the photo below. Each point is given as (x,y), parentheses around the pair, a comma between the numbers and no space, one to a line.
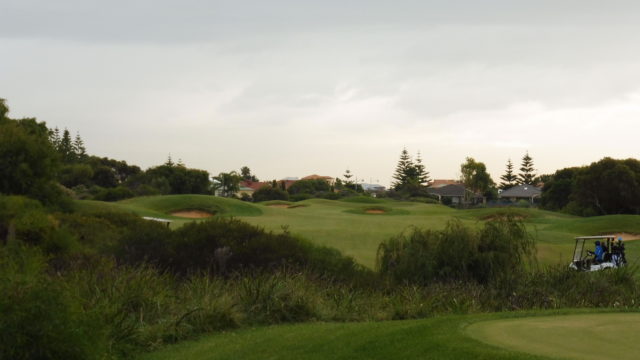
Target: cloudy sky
(293,87)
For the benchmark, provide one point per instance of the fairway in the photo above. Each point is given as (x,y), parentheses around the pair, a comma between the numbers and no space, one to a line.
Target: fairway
(356,226)
(586,336)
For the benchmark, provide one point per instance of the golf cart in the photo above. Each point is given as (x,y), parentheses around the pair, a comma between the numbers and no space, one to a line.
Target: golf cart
(611,255)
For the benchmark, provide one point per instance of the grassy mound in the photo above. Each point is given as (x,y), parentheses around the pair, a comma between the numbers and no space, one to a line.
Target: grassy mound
(586,336)
(362,200)
(164,205)
(377,210)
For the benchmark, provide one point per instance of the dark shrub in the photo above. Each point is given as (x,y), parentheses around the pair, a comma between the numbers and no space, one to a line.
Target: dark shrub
(40,320)
(267,193)
(498,252)
(114,194)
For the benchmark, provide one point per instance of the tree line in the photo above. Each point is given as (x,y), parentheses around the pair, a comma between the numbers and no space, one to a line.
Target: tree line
(411,179)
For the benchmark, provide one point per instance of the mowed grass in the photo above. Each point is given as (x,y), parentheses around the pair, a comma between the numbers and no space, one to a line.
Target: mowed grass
(449,337)
(345,224)
(584,336)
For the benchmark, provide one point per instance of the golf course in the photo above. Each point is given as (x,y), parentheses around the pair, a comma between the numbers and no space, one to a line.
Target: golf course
(356,226)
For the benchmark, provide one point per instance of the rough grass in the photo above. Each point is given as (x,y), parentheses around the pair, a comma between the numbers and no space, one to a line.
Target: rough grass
(436,338)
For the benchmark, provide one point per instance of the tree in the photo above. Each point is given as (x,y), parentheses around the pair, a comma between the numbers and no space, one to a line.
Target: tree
(4,110)
(28,161)
(78,148)
(404,171)
(229,183)
(509,179)
(421,173)
(557,190)
(245,172)
(65,148)
(475,177)
(347,178)
(527,172)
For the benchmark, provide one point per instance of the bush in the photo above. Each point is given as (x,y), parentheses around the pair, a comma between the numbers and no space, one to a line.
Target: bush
(496,253)
(40,320)
(114,194)
(267,193)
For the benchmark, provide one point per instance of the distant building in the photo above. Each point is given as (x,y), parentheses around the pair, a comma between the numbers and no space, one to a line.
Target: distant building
(438,183)
(249,187)
(372,187)
(521,192)
(455,194)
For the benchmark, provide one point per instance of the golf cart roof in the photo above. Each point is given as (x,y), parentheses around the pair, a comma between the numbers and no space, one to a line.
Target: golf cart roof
(596,237)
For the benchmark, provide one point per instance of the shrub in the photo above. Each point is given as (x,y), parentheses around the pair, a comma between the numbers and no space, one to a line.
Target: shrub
(267,193)
(114,194)
(40,320)
(498,252)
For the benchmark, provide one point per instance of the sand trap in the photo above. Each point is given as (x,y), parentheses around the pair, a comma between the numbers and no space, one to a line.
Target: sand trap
(374,211)
(586,336)
(192,214)
(626,236)
(283,206)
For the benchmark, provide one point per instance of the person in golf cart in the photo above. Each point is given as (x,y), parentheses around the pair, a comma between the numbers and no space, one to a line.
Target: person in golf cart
(598,253)
(617,251)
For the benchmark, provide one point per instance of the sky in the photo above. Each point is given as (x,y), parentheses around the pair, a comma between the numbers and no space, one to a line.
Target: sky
(294,87)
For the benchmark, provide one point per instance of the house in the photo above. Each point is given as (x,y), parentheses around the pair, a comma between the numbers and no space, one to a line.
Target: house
(373,189)
(438,183)
(249,187)
(455,194)
(521,192)
(328,179)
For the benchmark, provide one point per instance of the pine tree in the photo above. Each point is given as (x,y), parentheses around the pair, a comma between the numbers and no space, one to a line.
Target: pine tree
(347,178)
(403,171)
(78,147)
(527,174)
(509,179)
(169,161)
(66,147)
(421,172)
(54,138)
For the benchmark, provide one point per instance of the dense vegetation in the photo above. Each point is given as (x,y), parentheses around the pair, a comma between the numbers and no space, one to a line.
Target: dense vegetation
(608,186)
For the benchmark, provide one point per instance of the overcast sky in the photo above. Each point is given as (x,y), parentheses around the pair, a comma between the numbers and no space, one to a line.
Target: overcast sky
(291,88)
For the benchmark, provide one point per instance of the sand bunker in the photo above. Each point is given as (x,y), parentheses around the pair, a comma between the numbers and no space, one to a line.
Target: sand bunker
(375,211)
(626,236)
(283,206)
(192,214)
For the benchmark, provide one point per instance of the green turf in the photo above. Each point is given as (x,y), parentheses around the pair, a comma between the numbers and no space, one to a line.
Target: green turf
(448,337)
(585,336)
(163,206)
(345,225)
(440,338)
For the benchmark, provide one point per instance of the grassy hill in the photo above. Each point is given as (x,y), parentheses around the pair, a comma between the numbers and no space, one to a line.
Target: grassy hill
(348,225)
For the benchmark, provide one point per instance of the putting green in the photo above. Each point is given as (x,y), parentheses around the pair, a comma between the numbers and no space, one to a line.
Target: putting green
(587,336)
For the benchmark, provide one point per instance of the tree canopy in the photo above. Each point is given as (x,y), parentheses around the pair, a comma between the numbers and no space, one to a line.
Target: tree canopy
(475,177)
